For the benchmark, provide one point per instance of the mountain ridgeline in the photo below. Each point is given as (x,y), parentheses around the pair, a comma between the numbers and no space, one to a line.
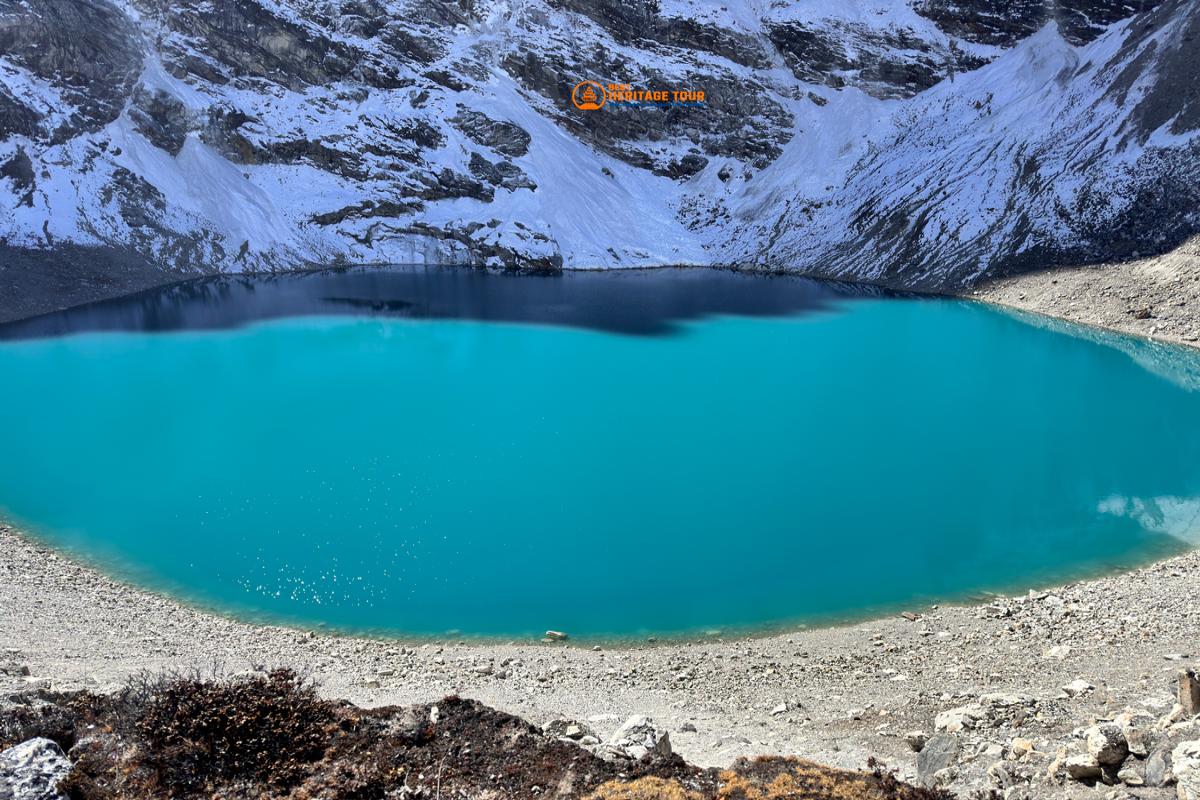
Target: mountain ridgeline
(923,144)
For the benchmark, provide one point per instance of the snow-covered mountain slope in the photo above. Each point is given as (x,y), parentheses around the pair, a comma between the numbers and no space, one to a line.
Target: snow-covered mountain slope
(910,142)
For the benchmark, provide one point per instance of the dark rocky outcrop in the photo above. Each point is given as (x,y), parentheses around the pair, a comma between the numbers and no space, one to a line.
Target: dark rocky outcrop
(86,47)
(891,63)
(504,137)
(502,173)
(161,118)
(16,118)
(1003,22)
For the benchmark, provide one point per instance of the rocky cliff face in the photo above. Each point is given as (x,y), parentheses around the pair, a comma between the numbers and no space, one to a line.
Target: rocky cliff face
(911,142)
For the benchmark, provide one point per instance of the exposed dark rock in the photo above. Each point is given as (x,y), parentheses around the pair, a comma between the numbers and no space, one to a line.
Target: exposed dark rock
(16,118)
(738,119)
(86,47)
(448,184)
(503,173)
(687,166)
(504,137)
(249,41)
(626,20)
(640,21)
(1003,22)
(895,63)
(481,252)
(19,170)
(368,209)
(161,118)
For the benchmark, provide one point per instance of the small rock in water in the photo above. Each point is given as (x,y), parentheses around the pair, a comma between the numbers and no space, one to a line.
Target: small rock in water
(556,636)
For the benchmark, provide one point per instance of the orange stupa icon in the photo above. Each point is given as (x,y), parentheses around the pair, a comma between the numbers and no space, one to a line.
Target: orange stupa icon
(589,96)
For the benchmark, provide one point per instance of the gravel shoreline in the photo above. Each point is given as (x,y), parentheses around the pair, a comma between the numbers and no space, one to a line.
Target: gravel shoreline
(1157,298)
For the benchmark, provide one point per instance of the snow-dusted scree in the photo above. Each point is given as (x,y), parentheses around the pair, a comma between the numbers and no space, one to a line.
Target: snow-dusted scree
(909,142)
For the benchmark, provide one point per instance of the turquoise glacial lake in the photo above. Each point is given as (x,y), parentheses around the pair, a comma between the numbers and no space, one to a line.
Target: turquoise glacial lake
(425,472)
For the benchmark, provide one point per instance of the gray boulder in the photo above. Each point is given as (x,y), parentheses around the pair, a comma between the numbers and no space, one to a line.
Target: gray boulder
(32,771)
(1158,768)
(1185,766)
(1106,743)
(1083,768)
(940,752)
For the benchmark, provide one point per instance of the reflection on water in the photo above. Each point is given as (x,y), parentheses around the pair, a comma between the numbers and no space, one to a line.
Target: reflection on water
(1174,516)
(642,302)
(1178,364)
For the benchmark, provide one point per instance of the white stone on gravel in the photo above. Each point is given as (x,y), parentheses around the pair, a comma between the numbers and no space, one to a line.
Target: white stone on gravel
(959,719)
(639,737)
(32,771)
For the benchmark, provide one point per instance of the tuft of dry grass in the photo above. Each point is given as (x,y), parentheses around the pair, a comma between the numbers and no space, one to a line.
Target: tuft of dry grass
(773,778)
(790,778)
(647,788)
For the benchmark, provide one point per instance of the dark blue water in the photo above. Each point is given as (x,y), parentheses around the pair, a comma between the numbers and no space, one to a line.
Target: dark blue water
(649,464)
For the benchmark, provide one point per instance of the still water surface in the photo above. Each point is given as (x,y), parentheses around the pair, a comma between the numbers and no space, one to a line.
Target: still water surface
(423,451)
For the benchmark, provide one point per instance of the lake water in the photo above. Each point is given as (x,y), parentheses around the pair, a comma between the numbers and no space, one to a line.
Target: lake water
(424,451)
